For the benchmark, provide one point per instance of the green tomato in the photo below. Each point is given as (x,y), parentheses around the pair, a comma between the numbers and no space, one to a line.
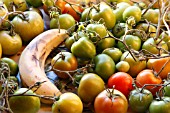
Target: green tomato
(114,53)
(119,29)
(119,1)
(69,41)
(119,11)
(105,14)
(139,101)
(100,29)
(105,43)
(150,30)
(132,11)
(104,66)
(167,88)
(67,19)
(11,44)
(164,36)
(83,48)
(12,65)
(150,46)
(85,15)
(29,27)
(160,106)
(35,3)
(122,66)
(24,104)
(151,15)
(20,5)
(90,86)
(133,42)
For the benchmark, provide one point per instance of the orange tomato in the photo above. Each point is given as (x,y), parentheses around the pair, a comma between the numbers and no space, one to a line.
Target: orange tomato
(157,64)
(73,11)
(110,101)
(147,76)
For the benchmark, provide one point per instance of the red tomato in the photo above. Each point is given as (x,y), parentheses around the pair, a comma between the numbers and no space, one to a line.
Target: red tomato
(110,101)
(122,82)
(147,76)
(72,10)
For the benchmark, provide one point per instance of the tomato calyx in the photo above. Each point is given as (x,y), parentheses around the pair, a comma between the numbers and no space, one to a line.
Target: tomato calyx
(111,94)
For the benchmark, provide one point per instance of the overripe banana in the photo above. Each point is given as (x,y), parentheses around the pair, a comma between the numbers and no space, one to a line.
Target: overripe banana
(32,61)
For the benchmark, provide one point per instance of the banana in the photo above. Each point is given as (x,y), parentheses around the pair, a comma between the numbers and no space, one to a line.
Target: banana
(32,61)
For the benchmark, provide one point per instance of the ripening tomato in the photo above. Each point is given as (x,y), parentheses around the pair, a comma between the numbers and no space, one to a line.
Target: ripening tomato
(29,26)
(68,103)
(157,64)
(135,64)
(89,87)
(147,76)
(64,61)
(110,101)
(59,3)
(121,81)
(73,10)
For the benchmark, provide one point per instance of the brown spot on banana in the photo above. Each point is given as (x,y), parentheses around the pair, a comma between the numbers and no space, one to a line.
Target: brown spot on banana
(32,71)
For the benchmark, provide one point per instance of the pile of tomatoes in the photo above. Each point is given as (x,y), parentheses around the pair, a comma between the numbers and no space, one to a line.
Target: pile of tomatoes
(116,56)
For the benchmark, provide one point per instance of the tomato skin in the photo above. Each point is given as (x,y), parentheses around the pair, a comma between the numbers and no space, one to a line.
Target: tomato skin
(167,88)
(150,46)
(132,41)
(114,53)
(21,5)
(104,65)
(10,44)
(14,69)
(100,29)
(156,64)
(85,14)
(90,86)
(105,104)
(30,25)
(147,77)
(68,103)
(69,10)
(135,66)
(160,106)
(132,11)
(24,104)
(105,43)
(68,63)
(67,19)
(150,30)
(122,82)
(59,3)
(150,14)
(119,29)
(83,48)
(119,11)
(106,13)
(139,101)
